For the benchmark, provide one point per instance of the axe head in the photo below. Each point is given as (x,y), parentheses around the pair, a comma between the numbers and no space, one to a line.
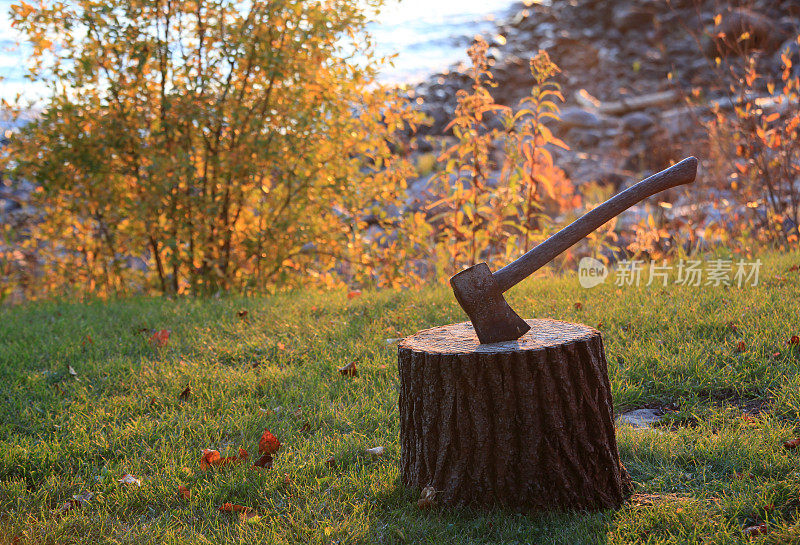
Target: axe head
(480,296)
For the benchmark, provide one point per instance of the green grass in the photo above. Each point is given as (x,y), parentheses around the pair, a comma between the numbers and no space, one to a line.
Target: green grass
(708,474)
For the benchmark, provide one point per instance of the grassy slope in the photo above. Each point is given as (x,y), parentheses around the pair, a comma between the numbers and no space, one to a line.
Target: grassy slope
(713,472)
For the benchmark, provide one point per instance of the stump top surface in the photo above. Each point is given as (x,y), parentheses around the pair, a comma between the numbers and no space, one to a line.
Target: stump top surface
(461,338)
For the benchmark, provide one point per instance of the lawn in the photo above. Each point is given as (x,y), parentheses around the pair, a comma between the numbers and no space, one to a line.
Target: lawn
(87,396)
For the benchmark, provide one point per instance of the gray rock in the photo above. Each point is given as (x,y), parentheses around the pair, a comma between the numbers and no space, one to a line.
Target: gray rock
(637,122)
(641,418)
(578,117)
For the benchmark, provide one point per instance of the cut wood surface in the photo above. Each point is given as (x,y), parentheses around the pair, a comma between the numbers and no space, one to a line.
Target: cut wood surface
(526,424)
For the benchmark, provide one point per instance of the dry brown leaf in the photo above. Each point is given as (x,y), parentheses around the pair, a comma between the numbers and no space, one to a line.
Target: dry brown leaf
(331,462)
(756,530)
(741,347)
(265,461)
(427,498)
(186,393)
(242,314)
(184,492)
(578,306)
(349,370)
(795,339)
(792,444)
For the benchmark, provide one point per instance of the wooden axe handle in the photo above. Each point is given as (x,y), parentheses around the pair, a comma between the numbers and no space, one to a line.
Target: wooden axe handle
(516,271)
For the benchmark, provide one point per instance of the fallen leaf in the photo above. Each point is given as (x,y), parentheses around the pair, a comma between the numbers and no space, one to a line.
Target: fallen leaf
(281,346)
(233,508)
(184,492)
(578,306)
(186,393)
(298,412)
(600,325)
(72,371)
(77,501)
(756,530)
(129,479)
(87,339)
(160,338)
(242,314)
(791,444)
(264,461)
(741,346)
(331,462)
(287,481)
(793,268)
(376,451)
(213,458)
(306,427)
(794,340)
(353,294)
(349,370)
(249,516)
(427,498)
(268,443)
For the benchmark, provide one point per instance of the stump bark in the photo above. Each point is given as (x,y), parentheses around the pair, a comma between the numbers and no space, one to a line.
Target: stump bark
(525,424)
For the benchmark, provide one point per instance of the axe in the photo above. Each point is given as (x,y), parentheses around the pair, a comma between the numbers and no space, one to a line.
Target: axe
(480,292)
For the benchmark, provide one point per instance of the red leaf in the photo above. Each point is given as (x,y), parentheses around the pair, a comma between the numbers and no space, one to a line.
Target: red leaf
(160,338)
(233,507)
(268,443)
(353,294)
(791,444)
(213,458)
(579,306)
(741,347)
(794,340)
(184,492)
(242,314)
(349,370)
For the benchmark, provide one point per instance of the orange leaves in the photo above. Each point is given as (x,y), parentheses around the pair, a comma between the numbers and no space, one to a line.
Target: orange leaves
(213,458)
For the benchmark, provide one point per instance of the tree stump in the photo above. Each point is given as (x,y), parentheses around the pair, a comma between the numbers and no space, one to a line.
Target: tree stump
(525,424)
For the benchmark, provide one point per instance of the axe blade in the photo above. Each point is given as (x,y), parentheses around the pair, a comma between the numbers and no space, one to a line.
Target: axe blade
(479,294)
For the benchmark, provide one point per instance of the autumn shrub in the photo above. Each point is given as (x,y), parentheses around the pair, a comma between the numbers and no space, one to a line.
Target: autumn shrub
(499,187)
(188,146)
(753,177)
